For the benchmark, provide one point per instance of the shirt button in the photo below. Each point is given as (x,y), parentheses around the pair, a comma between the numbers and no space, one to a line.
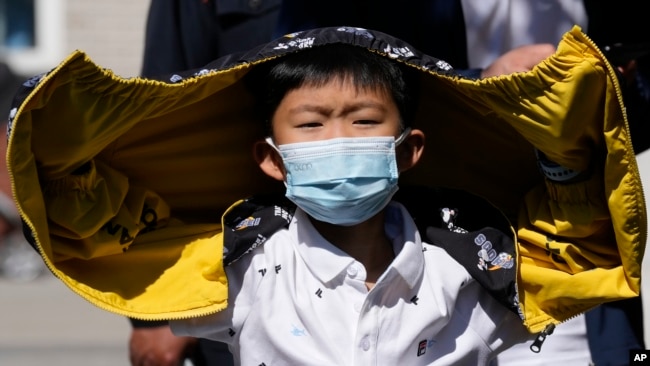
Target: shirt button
(352,271)
(365,343)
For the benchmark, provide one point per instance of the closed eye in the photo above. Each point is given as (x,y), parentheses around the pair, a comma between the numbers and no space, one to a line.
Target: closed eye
(365,122)
(309,125)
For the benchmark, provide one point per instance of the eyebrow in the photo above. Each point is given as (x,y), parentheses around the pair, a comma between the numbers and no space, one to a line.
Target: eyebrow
(347,110)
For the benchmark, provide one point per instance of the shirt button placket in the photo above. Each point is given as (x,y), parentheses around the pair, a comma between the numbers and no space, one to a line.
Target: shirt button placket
(357,306)
(365,343)
(366,353)
(353,271)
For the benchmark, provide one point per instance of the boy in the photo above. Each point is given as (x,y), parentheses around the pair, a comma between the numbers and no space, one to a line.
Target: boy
(349,281)
(144,239)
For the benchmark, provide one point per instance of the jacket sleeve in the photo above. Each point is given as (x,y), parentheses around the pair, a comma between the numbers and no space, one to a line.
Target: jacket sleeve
(589,230)
(96,212)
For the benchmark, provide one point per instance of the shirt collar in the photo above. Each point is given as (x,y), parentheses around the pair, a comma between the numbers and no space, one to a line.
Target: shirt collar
(327,261)
(407,244)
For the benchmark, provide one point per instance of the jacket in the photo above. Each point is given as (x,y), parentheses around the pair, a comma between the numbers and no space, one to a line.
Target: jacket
(121,182)
(300,300)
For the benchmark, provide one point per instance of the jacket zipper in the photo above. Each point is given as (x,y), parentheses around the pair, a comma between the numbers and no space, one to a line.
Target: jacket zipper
(541,337)
(619,97)
(19,111)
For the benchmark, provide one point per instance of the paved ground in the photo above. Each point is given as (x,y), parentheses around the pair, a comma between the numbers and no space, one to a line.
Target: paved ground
(44,323)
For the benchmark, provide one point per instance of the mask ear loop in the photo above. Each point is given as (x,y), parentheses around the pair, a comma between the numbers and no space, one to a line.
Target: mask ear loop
(402,137)
(269,140)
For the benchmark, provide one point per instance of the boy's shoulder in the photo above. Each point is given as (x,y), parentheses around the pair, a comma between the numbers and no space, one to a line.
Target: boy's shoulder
(250,222)
(472,231)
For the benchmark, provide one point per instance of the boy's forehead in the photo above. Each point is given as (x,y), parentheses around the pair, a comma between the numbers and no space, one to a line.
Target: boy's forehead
(336,94)
(344,82)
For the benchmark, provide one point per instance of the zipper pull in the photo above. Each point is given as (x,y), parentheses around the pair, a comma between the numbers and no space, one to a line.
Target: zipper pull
(541,337)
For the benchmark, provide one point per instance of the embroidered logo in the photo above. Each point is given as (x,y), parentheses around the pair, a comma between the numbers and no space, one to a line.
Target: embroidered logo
(258,241)
(443,65)
(292,35)
(34,80)
(10,120)
(248,222)
(357,32)
(448,217)
(395,52)
(489,259)
(298,43)
(281,212)
(202,72)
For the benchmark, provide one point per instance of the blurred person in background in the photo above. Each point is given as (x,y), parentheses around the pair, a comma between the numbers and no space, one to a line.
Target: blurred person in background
(187,34)
(18,261)
(495,37)
(182,35)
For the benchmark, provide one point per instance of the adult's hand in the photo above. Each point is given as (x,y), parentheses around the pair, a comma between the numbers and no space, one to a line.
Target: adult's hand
(158,346)
(519,59)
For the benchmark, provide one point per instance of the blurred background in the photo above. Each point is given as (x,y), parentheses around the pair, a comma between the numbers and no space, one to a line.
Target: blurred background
(35,35)
(41,321)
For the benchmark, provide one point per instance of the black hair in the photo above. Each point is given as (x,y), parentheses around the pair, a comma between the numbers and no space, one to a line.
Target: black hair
(319,65)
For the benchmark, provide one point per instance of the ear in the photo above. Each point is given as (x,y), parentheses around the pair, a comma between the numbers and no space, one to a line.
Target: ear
(269,160)
(410,150)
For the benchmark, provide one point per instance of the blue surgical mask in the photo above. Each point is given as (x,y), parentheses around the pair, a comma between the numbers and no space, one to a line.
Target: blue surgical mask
(342,181)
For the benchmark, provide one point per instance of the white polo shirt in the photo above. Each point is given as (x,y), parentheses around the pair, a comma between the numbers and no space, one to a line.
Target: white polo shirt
(299,300)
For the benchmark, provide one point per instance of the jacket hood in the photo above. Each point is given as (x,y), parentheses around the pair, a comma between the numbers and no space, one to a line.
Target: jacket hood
(121,183)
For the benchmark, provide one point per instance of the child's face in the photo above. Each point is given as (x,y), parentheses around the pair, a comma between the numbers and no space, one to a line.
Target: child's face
(336,109)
